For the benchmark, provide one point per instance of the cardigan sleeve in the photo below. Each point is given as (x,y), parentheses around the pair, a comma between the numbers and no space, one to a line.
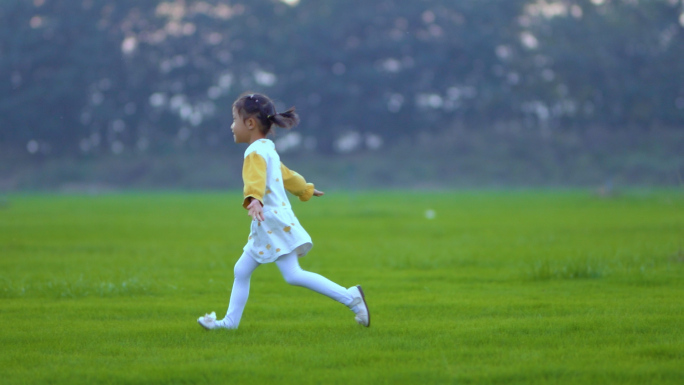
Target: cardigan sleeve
(254,178)
(296,184)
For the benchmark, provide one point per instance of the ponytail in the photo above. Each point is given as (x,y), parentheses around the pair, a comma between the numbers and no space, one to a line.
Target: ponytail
(260,107)
(287,119)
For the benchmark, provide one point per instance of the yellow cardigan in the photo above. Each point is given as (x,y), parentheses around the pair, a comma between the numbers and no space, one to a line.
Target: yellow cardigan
(254,173)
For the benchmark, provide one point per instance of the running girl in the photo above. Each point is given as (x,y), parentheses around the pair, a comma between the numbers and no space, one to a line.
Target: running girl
(275,235)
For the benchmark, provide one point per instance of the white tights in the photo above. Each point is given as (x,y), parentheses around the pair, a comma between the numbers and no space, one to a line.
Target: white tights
(293,274)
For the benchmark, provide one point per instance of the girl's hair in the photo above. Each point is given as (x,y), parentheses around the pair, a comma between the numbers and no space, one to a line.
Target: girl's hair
(260,107)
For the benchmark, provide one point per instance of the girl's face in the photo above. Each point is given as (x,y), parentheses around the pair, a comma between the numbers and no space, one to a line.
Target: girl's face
(241,132)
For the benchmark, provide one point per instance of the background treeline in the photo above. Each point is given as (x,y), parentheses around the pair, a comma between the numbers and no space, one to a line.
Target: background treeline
(132,93)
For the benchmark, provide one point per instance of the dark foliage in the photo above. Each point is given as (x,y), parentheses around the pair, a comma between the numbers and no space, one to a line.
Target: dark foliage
(82,78)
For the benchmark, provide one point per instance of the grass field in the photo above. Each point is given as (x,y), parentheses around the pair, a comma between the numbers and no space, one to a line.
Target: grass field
(500,287)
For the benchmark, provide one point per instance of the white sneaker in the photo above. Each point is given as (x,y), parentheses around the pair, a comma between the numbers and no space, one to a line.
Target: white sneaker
(359,306)
(208,321)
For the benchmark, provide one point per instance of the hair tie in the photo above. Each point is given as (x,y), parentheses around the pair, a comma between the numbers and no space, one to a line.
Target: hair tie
(269,117)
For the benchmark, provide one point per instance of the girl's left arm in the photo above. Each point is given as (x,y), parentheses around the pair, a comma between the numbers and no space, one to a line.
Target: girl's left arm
(254,178)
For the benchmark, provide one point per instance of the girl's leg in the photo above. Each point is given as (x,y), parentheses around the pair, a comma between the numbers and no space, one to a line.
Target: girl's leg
(244,268)
(294,275)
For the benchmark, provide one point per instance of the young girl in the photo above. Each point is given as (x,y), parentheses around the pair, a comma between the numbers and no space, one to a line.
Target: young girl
(275,234)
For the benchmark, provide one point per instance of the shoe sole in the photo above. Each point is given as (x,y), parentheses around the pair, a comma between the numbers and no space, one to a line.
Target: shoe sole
(202,325)
(363,297)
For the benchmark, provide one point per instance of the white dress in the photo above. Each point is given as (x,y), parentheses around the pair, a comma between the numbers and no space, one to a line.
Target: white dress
(267,180)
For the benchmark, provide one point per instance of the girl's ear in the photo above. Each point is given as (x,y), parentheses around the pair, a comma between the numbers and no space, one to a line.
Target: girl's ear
(250,123)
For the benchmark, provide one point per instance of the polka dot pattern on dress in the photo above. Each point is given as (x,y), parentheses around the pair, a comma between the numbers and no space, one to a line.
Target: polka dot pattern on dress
(279,232)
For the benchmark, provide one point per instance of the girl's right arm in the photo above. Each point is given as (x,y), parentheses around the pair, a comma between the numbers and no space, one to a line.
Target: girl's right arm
(296,184)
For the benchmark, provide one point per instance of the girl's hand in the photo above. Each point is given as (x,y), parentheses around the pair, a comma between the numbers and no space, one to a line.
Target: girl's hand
(255,210)
(318,193)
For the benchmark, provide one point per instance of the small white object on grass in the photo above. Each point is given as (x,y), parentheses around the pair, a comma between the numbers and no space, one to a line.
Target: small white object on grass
(430,214)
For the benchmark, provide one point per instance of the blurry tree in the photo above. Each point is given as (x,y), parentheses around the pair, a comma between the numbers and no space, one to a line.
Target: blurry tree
(90,76)
(48,68)
(390,68)
(64,73)
(607,63)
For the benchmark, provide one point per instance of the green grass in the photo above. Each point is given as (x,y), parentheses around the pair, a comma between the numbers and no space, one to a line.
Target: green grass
(501,287)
